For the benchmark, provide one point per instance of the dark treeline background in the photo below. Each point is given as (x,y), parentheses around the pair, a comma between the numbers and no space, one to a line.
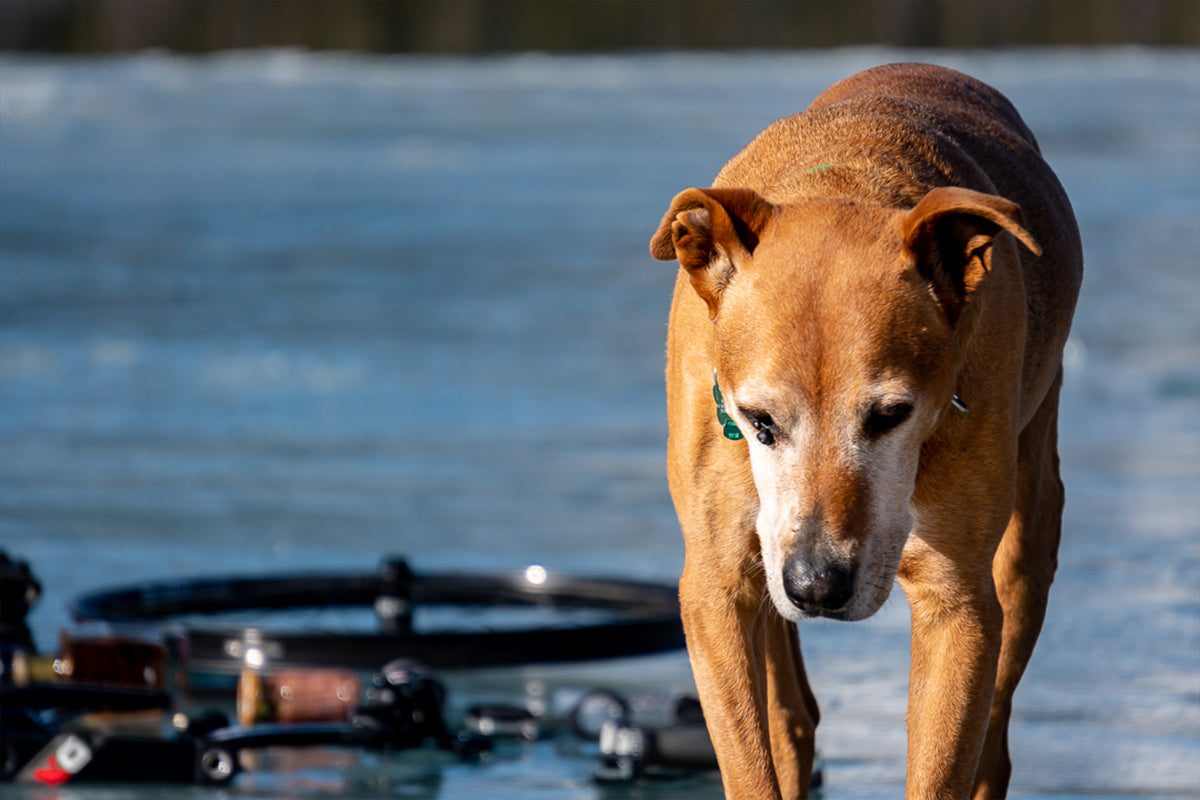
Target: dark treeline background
(478,26)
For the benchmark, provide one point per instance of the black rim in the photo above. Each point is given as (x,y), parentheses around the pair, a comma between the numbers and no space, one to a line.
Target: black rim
(633,617)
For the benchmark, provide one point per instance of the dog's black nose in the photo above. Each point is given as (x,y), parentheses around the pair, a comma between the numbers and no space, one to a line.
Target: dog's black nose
(821,588)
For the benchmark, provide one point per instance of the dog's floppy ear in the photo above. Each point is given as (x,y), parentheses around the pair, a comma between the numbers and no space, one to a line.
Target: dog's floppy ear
(710,231)
(951,232)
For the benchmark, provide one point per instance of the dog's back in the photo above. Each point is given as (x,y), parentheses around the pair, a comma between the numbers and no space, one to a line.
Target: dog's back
(891,134)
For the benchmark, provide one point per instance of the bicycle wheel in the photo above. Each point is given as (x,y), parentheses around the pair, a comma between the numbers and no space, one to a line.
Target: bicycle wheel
(486,619)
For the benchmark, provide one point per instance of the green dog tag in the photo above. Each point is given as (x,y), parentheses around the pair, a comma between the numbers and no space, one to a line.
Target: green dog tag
(728,426)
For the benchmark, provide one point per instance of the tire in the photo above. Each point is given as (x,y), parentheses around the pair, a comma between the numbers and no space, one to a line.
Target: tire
(620,617)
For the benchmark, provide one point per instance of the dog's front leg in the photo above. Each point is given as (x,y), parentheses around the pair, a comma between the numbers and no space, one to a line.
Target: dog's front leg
(792,708)
(721,617)
(956,635)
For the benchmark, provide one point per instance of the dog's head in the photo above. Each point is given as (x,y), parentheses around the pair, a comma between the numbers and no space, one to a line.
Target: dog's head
(837,329)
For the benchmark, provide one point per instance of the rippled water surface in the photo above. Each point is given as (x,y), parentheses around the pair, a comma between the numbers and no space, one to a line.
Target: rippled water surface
(273,311)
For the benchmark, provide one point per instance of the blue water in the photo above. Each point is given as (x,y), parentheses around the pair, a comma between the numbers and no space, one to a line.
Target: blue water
(273,310)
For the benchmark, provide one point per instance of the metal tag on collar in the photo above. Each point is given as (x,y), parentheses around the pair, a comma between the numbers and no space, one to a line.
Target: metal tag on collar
(728,427)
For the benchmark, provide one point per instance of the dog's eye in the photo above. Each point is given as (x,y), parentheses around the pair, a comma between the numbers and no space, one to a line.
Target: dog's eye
(883,418)
(762,424)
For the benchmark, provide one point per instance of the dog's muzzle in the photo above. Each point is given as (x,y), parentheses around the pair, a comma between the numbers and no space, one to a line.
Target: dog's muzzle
(822,589)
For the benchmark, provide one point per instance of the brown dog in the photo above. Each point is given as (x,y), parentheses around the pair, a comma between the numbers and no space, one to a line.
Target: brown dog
(881,288)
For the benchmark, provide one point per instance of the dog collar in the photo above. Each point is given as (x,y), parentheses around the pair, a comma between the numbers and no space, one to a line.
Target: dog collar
(728,426)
